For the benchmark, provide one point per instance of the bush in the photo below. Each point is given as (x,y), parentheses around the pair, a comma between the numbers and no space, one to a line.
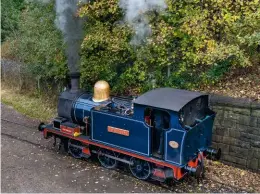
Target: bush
(39,45)
(192,43)
(10,15)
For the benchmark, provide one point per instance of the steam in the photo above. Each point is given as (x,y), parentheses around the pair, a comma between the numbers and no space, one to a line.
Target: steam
(71,26)
(135,16)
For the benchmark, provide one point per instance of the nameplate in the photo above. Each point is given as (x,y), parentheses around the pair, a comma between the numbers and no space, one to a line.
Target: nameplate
(118,131)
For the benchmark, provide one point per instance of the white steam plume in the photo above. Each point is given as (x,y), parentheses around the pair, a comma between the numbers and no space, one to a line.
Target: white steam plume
(71,26)
(135,10)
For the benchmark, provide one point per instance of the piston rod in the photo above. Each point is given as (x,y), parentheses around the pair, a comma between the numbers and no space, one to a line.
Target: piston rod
(113,157)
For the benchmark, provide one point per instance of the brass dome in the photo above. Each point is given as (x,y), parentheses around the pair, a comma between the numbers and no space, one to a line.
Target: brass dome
(101,91)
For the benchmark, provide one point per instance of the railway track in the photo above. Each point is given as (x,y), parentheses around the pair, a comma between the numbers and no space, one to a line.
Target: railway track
(120,169)
(169,186)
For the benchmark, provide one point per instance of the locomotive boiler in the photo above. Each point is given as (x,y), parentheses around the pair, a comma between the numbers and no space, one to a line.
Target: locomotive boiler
(162,134)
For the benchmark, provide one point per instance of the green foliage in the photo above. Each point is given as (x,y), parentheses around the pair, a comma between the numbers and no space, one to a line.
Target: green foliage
(193,43)
(38,43)
(10,14)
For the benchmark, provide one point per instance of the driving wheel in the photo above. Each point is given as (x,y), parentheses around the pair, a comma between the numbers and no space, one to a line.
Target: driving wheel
(139,168)
(105,160)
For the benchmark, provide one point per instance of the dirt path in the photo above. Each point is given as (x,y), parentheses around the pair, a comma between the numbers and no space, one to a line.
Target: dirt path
(31,164)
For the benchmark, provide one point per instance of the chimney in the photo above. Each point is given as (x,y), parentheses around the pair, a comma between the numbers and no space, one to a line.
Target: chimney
(74,82)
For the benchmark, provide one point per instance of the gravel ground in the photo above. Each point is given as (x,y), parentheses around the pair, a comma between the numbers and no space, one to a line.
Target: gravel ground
(31,164)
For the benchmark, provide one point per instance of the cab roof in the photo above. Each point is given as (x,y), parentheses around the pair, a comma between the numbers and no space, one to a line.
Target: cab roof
(167,98)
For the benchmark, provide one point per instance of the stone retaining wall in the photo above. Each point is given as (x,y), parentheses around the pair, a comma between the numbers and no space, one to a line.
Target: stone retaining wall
(237,130)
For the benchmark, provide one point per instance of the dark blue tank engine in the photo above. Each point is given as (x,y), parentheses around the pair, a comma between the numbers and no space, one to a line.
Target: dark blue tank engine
(162,134)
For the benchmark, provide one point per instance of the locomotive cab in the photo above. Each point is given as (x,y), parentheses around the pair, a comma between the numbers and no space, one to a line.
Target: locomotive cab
(189,128)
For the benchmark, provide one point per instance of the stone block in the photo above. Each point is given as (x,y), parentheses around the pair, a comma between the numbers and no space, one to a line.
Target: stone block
(218,122)
(229,123)
(247,120)
(235,160)
(218,100)
(231,115)
(214,128)
(215,108)
(249,137)
(242,111)
(256,113)
(219,111)
(253,121)
(248,129)
(252,164)
(238,151)
(256,144)
(242,128)
(228,108)
(229,140)
(224,147)
(219,118)
(217,138)
(221,131)
(253,130)
(254,153)
(244,120)
(235,142)
(256,131)
(234,133)
(255,105)
(214,145)
(258,123)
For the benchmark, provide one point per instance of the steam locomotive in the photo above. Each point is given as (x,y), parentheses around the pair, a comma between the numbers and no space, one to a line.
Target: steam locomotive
(163,134)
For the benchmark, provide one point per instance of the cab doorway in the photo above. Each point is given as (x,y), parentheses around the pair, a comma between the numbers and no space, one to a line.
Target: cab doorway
(159,121)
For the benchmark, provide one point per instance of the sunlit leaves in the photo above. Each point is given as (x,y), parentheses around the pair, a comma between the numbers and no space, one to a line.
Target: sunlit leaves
(201,38)
(193,43)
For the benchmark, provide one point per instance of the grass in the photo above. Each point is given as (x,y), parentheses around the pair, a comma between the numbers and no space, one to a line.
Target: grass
(30,106)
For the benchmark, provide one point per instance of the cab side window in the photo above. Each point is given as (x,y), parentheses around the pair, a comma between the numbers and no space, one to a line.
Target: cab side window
(157,118)
(148,116)
(161,119)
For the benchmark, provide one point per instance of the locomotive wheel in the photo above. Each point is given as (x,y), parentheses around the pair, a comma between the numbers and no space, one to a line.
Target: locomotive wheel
(75,148)
(140,169)
(106,161)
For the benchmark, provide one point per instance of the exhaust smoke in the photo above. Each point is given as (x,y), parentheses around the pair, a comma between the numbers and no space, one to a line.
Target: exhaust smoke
(71,27)
(135,16)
